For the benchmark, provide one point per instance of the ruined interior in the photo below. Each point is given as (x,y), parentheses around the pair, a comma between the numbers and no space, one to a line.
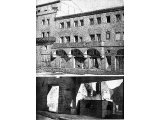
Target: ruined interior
(101,97)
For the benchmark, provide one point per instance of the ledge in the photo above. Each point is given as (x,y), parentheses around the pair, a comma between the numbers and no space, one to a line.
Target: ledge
(47,40)
(78,71)
(88,44)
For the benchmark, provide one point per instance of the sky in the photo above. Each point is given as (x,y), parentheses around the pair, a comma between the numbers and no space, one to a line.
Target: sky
(89,5)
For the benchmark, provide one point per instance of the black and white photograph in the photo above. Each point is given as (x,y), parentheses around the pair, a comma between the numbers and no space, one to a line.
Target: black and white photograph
(64,60)
(79,59)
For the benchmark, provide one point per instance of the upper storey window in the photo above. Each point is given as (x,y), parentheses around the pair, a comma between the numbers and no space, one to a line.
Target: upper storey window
(107,35)
(108,19)
(61,40)
(92,37)
(48,34)
(82,22)
(81,39)
(118,18)
(75,38)
(91,21)
(68,24)
(67,38)
(43,34)
(48,21)
(75,23)
(118,36)
(99,20)
(99,37)
(62,25)
(43,22)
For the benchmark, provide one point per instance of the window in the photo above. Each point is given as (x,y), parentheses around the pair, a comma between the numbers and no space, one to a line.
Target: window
(68,24)
(43,22)
(99,20)
(92,37)
(107,35)
(62,25)
(118,17)
(118,36)
(76,23)
(68,39)
(82,22)
(43,34)
(48,21)
(91,21)
(48,34)
(81,39)
(53,8)
(98,37)
(75,38)
(39,11)
(108,19)
(61,40)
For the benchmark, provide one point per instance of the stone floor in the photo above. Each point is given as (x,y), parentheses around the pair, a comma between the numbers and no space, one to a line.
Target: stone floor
(44,115)
(40,117)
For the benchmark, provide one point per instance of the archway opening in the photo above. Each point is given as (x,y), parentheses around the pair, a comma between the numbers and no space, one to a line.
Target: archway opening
(52,98)
(95,58)
(79,58)
(61,59)
(120,59)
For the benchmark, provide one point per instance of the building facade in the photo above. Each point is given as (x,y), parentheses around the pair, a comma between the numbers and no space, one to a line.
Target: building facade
(84,43)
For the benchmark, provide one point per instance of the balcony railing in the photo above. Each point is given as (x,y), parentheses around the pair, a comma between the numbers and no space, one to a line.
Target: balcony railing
(88,44)
(45,40)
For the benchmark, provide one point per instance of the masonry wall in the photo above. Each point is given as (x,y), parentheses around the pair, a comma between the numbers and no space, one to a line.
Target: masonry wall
(44,13)
(67,89)
(87,29)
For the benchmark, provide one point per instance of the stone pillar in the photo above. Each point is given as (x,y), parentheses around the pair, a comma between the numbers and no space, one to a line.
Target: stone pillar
(41,95)
(117,63)
(113,63)
(73,60)
(113,60)
(104,63)
(60,60)
(86,61)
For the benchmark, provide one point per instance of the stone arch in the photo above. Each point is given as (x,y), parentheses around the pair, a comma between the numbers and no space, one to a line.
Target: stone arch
(79,58)
(61,52)
(95,61)
(93,52)
(120,52)
(76,53)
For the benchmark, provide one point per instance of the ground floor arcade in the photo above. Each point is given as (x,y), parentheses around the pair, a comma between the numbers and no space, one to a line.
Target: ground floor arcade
(108,59)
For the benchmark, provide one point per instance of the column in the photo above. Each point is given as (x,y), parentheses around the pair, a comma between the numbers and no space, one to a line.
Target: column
(86,61)
(104,62)
(113,61)
(73,60)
